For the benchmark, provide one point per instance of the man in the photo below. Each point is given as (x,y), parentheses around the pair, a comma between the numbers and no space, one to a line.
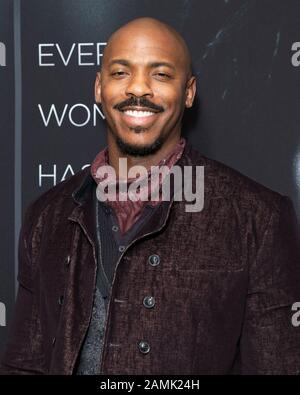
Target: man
(147,287)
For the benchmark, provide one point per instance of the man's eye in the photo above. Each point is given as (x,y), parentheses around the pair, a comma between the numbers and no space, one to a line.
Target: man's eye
(118,73)
(164,75)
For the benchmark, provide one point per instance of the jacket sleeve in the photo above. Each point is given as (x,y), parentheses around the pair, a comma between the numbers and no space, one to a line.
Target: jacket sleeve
(24,349)
(269,343)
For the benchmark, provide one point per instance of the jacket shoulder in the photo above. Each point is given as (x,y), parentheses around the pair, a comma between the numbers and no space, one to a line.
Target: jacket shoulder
(62,190)
(59,196)
(223,181)
(56,203)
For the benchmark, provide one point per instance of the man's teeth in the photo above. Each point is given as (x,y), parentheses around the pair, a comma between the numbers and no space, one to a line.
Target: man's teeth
(138,114)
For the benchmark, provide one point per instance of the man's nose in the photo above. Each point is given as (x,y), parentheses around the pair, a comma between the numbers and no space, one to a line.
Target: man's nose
(139,85)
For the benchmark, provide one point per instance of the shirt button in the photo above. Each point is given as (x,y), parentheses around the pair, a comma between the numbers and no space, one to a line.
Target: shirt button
(115,228)
(154,260)
(61,300)
(121,248)
(149,302)
(144,347)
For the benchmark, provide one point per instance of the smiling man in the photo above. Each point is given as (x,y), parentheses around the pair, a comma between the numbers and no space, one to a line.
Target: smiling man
(145,287)
(144,85)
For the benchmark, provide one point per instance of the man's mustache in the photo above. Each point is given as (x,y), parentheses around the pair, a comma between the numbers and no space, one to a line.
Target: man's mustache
(138,102)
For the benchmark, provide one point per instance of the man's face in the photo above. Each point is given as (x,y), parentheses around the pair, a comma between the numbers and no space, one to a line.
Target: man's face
(143,89)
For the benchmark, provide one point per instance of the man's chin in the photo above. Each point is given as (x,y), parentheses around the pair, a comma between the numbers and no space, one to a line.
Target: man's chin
(139,149)
(139,129)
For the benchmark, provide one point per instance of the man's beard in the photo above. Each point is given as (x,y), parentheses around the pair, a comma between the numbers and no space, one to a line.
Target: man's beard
(132,150)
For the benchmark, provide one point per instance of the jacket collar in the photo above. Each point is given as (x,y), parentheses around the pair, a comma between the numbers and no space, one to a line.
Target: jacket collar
(82,192)
(85,198)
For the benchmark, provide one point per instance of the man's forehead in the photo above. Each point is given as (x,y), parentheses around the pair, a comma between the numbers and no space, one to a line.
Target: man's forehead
(143,53)
(147,40)
(148,52)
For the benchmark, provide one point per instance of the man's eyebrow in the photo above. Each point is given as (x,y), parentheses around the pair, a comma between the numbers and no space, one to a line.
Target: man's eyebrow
(125,62)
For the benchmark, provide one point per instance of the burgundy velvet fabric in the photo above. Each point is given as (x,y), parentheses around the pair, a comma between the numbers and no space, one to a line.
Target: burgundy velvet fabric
(223,289)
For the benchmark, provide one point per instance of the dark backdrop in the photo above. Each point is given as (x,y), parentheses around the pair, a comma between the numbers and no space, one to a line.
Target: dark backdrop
(7,282)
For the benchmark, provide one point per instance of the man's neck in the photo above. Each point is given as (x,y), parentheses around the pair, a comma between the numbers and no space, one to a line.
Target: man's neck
(114,154)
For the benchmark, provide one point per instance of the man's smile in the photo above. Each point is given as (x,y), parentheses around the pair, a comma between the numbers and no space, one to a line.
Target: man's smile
(142,117)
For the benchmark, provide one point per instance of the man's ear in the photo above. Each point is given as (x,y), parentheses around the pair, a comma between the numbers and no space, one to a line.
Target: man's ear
(190,92)
(98,88)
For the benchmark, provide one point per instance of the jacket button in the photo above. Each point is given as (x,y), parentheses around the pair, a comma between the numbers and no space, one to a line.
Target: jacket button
(144,347)
(149,302)
(61,300)
(53,341)
(68,260)
(154,260)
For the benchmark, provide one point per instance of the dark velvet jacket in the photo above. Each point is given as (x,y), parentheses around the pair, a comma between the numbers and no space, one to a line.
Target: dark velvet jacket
(224,286)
